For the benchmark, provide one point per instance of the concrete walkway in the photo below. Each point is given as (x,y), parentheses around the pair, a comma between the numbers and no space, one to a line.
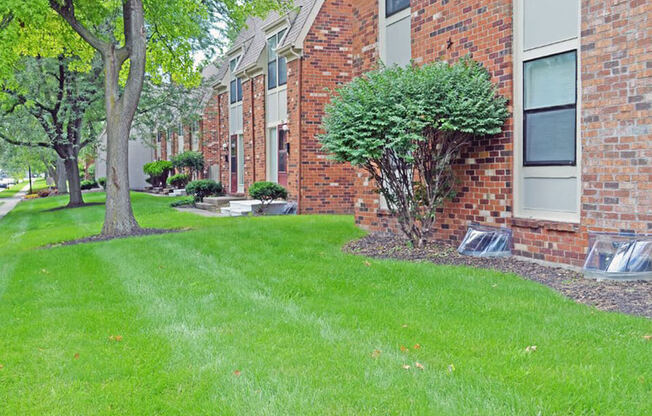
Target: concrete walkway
(10,203)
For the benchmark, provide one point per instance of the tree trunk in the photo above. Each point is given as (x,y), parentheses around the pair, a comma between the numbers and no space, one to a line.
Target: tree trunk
(61,176)
(72,171)
(120,110)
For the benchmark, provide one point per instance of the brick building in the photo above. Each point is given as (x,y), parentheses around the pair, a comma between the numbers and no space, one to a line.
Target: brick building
(262,121)
(576,156)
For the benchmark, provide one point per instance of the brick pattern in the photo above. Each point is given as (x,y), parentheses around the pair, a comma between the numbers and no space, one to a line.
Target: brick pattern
(616,115)
(616,69)
(326,186)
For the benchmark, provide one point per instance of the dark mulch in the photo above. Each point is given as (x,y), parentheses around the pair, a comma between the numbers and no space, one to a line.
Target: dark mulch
(633,298)
(140,233)
(87,204)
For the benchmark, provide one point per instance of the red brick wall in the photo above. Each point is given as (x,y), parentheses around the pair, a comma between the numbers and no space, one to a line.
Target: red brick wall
(616,122)
(210,129)
(326,186)
(449,32)
(248,132)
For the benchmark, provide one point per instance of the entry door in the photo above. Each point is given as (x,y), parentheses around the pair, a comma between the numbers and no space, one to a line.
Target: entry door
(282,157)
(234,163)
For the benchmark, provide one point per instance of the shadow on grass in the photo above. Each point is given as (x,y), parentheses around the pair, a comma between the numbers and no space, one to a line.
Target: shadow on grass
(64,207)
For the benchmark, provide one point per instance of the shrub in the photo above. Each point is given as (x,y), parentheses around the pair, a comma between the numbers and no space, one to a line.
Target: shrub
(179,181)
(183,202)
(86,185)
(43,193)
(203,188)
(158,171)
(194,161)
(406,126)
(102,182)
(266,192)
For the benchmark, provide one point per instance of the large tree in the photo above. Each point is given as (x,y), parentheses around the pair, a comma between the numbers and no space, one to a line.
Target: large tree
(57,98)
(133,37)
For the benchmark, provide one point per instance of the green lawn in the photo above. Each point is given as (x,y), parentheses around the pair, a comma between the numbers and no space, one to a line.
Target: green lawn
(37,184)
(266,316)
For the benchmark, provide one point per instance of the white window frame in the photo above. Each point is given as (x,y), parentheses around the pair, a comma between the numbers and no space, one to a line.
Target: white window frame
(384,21)
(558,172)
(238,102)
(267,61)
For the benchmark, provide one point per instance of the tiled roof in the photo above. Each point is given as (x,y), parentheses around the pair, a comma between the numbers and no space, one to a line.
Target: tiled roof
(253,39)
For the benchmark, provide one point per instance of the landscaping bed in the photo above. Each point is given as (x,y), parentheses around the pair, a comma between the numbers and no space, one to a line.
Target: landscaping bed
(628,297)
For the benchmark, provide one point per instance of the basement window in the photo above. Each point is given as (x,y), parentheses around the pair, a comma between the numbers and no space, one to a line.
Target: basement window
(619,257)
(483,241)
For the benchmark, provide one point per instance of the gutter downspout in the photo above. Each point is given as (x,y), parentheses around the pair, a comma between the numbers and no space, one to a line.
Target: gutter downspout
(300,65)
(253,131)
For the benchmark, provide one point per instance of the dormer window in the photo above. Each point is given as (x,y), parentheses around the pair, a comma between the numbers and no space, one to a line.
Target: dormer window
(277,74)
(236,83)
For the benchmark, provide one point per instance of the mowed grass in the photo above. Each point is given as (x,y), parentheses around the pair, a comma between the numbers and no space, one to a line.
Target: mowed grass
(37,184)
(266,316)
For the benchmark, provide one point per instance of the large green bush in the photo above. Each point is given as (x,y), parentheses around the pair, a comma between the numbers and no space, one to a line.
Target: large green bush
(179,181)
(86,185)
(406,127)
(203,188)
(158,172)
(193,161)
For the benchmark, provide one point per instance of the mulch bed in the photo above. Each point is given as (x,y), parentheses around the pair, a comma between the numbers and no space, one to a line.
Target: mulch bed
(140,233)
(633,298)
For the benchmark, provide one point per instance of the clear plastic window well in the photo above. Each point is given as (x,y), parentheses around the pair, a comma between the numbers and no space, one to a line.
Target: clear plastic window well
(483,241)
(618,256)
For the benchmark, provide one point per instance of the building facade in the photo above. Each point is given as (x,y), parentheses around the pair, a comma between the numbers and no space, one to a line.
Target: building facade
(576,155)
(263,120)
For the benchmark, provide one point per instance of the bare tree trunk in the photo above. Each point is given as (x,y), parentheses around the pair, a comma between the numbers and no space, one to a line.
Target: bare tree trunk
(60,176)
(72,171)
(119,219)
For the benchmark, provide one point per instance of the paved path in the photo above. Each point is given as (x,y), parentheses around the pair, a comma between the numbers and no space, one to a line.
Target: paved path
(10,203)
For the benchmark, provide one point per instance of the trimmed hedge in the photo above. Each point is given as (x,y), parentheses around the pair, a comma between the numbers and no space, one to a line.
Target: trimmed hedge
(179,181)
(203,188)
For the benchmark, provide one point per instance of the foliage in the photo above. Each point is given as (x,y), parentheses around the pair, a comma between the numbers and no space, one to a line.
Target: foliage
(266,192)
(179,181)
(203,188)
(87,184)
(183,202)
(102,181)
(158,172)
(406,127)
(194,161)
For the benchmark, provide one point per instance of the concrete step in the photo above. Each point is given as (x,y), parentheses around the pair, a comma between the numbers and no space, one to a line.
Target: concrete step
(222,201)
(207,207)
(251,207)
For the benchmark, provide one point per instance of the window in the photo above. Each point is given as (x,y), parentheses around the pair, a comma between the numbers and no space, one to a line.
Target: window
(236,83)
(549,104)
(180,137)
(194,135)
(395,6)
(276,65)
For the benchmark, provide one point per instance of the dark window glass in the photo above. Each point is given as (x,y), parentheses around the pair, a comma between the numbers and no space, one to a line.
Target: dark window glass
(239,89)
(395,6)
(282,71)
(234,96)
(549,116)
(271,75)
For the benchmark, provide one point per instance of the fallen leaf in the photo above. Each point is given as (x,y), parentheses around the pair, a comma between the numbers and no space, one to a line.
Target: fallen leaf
(404,348)
(647,337)
(366,263)
(376,354)
(531,348)
(419,366)
(118,338)
(406,367)
(236,373)
(1,366)
(76,356)
(45,271)
(417,346)
(451,368)
(404,325)
(494,285)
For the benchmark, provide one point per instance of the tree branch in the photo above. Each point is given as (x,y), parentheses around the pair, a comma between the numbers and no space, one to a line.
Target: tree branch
(27,144)
(67,12)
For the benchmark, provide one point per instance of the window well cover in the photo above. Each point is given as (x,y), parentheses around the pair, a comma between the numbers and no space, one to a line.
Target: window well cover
(483,241)
(618,256)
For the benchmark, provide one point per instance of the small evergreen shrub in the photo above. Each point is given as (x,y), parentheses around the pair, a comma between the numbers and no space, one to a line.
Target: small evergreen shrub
(158,172)
(203,188)
(179,181)
(102,182)
(266,192)
(183,202)
(86,185)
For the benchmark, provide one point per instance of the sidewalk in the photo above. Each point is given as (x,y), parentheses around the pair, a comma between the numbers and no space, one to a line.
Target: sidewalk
(10,203)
